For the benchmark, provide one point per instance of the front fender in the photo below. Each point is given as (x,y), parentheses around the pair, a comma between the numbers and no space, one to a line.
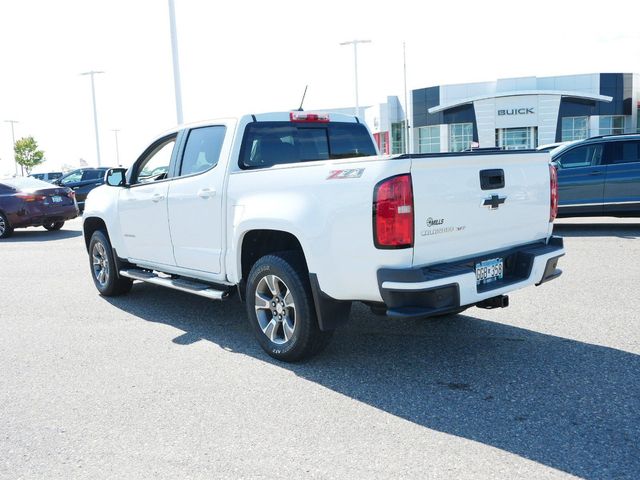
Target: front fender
(102,203)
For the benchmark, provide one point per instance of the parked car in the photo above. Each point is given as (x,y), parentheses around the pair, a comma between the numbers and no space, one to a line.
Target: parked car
(552,146)
(297,213)
(599,176)
(27,202)
(82,181)
(47,177)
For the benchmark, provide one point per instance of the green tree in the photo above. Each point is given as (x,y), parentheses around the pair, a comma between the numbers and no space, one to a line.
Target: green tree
(27,153)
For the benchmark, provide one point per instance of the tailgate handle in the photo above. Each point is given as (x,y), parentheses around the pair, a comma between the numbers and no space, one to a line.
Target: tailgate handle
(492,179)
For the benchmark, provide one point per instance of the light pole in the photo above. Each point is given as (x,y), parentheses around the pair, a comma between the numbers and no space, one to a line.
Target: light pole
(115,131)
(95,112)
(13,144)
(176,62)
(407,148)
(355,57)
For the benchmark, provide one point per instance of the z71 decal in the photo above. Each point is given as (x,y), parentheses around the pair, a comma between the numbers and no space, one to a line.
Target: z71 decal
(348,173)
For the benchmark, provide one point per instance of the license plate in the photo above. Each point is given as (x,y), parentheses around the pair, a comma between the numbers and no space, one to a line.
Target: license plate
(56,199)
(489,271)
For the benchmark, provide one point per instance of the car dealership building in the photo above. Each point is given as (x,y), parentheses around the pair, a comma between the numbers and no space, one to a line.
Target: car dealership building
(521,113)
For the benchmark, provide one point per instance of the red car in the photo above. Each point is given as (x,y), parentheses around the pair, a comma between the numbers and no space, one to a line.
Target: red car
(27,202)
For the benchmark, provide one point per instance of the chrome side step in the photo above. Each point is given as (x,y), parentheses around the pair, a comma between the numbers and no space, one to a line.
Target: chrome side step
(189,286)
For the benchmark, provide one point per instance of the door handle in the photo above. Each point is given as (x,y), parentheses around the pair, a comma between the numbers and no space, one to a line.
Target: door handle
(596,172)
(157,197)
(206,193)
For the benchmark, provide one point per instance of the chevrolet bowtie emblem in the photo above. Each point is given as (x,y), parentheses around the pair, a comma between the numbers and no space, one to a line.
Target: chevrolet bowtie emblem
(493,202)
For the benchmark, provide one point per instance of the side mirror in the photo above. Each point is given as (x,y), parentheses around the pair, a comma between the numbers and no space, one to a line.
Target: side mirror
(115,177)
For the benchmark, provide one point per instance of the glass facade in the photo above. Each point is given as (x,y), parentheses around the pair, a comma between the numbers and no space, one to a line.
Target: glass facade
(612,125)
(460,136)
(517,138)
(397,137)
(429,139)
(382,140)
(575,128)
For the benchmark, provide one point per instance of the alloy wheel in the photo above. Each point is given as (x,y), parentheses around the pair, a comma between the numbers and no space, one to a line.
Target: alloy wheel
(100,263)
(275,309)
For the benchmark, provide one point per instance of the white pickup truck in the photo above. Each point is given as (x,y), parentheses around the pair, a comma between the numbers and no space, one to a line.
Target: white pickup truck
(297,213)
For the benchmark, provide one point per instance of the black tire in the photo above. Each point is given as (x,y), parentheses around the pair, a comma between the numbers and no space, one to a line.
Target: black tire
(6,230)
(103,267)
(53,226)
(295,335)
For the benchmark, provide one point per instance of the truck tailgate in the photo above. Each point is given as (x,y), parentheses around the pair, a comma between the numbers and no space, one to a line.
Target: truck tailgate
(457,217)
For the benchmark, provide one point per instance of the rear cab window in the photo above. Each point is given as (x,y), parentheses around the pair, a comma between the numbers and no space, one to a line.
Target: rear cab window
(266,144)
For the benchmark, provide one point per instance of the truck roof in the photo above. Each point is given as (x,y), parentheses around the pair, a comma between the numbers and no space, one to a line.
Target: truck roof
(283,116)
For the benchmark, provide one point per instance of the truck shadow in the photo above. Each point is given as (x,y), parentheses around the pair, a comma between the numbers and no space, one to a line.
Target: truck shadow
(621,230)
(569,405)
(40,235)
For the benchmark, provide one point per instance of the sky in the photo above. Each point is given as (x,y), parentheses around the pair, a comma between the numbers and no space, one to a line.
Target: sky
(257,56)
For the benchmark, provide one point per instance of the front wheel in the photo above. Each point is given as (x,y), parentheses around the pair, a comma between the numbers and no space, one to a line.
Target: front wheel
(103,267)
(281,310)
(53,226)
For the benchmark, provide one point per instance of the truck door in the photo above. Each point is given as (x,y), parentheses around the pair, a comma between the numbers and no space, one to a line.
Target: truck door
(196,199)
(581,179)
(143,206)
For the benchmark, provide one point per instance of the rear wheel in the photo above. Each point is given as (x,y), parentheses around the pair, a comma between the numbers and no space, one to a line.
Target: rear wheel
(52,226)
(281,310)
(5,228)
(103,267)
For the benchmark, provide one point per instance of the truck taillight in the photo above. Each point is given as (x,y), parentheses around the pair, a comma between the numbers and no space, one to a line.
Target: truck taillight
(553,204)
(393,213)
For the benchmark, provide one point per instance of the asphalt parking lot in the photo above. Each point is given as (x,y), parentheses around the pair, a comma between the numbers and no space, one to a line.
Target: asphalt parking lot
(161,384)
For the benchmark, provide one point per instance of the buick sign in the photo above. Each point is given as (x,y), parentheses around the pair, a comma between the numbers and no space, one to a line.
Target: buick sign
(517,111)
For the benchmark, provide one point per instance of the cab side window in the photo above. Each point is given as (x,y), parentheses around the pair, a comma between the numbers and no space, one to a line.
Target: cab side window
(623,152)
(584,156)
(73,177)
(91,175)
(155,165)
(202,150)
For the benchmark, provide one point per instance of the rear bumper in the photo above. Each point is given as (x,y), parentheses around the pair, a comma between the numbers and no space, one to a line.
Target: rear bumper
(438,289)
(36,217)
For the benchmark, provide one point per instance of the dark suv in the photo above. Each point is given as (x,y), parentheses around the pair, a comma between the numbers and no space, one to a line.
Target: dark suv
(599,176)
(82,181)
